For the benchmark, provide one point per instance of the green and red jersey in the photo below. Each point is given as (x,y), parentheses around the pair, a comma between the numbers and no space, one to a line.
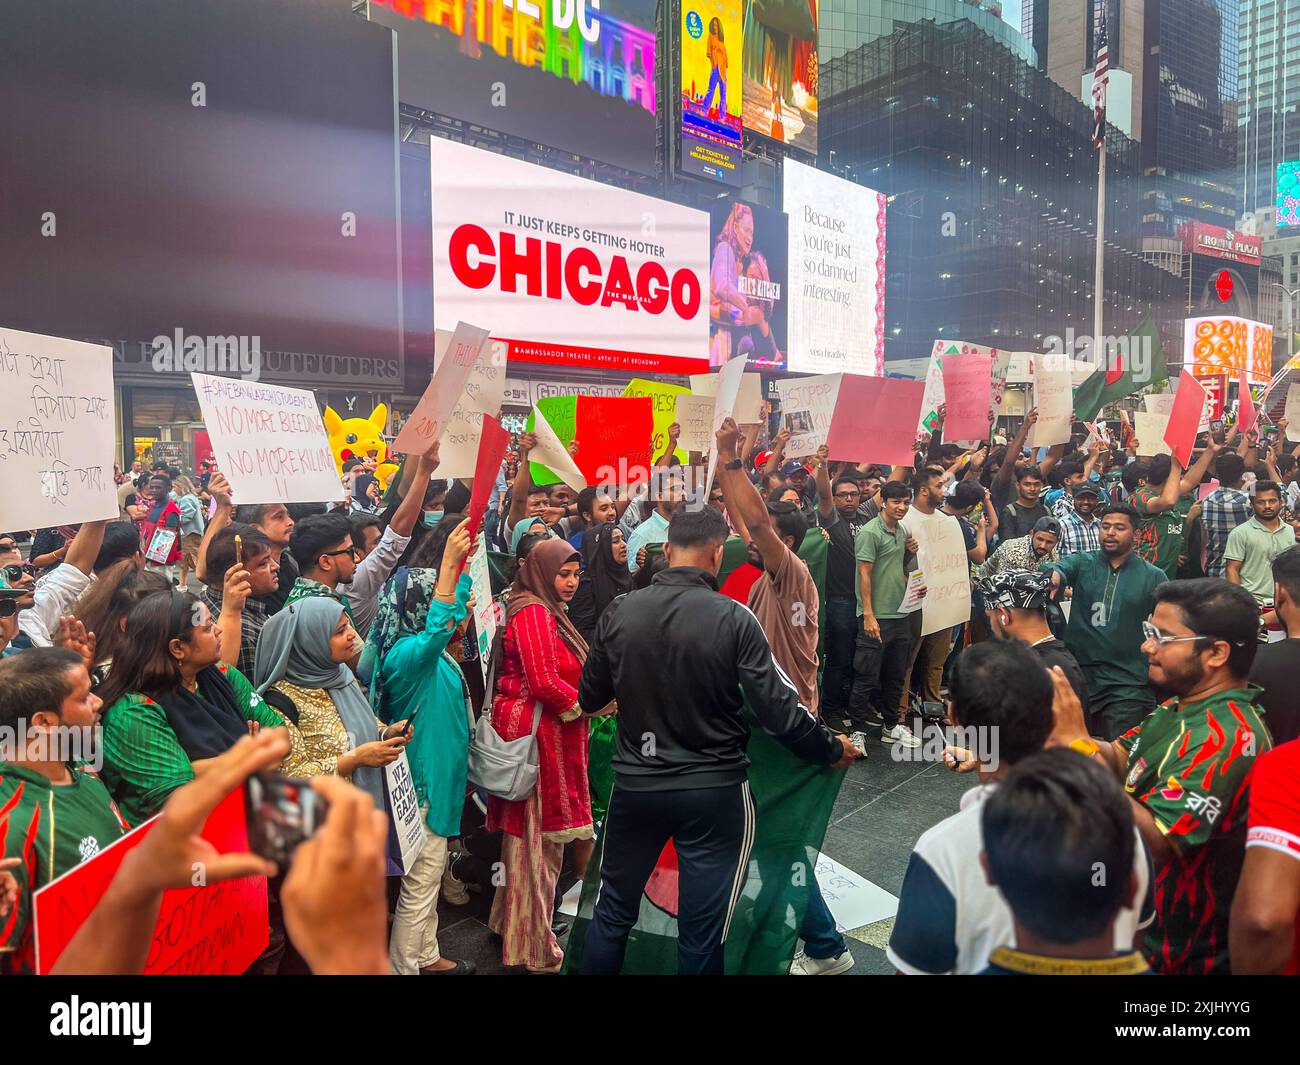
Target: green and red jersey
(1161,537)
(52,828)
(1275,814)
(1190,765)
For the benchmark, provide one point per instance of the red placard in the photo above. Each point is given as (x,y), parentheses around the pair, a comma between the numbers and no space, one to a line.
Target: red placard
(613,436)
(1185,418)
(212,930)
(492,444)
(875,419)
(967,392)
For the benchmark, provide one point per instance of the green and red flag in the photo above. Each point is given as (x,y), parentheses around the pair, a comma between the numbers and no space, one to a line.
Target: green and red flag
(613,434)
(1134,364)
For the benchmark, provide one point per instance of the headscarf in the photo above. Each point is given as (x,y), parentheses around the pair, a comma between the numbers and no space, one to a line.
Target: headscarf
(403,611)
(295,646)
(535,586)
(206,724)
(603,579)
(522,526)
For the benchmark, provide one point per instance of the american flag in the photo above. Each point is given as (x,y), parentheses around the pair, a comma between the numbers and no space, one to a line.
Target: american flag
(1100,79)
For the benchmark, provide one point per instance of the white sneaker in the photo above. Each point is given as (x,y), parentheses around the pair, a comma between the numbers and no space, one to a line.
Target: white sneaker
(900,734)
(806,966)
(859,740)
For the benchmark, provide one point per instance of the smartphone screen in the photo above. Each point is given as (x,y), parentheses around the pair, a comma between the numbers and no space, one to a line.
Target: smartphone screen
(281,813)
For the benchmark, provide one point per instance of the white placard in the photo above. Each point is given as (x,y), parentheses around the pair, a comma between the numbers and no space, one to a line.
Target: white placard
(941,555)
(912,598)
(724,407)
(485,616)
(1054,398)
(57,427)
(551,452)
(406,826)
(269,441)
(570,272)
(1292,414)
(749,404)
(695,416)
(1149,428)
(836,273)
(484,393)
(807,406)
(432,414)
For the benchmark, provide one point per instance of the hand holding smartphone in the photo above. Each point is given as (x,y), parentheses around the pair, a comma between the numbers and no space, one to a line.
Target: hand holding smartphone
(281,812)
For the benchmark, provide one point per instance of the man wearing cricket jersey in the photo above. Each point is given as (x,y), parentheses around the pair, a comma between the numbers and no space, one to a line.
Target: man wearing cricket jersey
(53,816)
(1187,768)
(1164,500)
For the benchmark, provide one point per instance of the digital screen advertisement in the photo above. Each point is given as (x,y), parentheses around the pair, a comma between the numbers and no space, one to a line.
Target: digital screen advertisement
(836,273)
(712,89)
(748,284)
(1288,195)
(1228,345)
(568,272)
(572,74)
(780,68)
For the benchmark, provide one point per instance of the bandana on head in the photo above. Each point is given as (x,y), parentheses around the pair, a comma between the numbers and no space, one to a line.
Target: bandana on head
(1018,589)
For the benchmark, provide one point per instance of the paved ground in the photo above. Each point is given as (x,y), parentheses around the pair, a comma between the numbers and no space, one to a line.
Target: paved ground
(882,807)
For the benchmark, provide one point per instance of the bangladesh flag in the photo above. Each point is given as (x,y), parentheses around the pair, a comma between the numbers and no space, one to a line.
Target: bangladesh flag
(793,800)
(613,435)
(1138,361)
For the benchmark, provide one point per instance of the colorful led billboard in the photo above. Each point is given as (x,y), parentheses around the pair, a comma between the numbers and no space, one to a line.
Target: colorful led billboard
(712,89)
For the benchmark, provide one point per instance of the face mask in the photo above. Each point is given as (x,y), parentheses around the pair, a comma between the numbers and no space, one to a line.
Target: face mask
(431,517)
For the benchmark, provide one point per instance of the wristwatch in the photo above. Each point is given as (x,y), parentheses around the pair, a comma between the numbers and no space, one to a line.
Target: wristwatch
(734,464)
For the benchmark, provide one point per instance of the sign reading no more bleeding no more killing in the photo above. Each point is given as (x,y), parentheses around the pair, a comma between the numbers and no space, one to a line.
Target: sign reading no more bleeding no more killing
(269,441)
(57,430)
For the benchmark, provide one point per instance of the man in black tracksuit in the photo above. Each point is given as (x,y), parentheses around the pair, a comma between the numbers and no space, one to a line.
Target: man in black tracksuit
(678,656)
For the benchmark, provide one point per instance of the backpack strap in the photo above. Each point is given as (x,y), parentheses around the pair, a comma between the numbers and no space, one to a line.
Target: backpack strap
(283,703)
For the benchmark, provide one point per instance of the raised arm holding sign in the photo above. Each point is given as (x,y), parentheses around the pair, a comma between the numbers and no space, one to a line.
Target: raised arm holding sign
(433,412)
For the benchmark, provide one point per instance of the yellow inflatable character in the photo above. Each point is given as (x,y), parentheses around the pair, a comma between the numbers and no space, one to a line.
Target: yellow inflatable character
(360,438)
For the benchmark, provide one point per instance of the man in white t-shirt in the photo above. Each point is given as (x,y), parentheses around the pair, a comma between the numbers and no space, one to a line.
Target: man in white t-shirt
(950,919)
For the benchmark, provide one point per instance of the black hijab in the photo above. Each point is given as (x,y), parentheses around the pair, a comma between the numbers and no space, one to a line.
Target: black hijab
(207,722)
(603,579)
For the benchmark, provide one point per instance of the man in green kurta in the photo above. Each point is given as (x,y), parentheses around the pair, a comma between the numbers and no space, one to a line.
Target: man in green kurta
(1113,592)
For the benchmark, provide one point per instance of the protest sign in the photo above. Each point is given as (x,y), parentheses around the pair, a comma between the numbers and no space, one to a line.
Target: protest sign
(807,404)
(1158,403)
(1292,413)
(695,416)
(612,435)
(749,401)
(1054,398)
(940,352)
(941,556)
(405,824)
(269,440)
(912,598)
(875,420)
(550,461)
(57,428)
(485,607)
(1185,418)
(493,442)
(210,929)
(968,391)
(724,407)
(663,399)
(484,393)
(432,414)
(1246,413)
(1149,428)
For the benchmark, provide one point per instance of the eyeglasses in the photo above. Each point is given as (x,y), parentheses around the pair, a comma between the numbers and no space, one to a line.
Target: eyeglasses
(8,545)
(342,551)
(15,573)
(847,495)
(1153,635)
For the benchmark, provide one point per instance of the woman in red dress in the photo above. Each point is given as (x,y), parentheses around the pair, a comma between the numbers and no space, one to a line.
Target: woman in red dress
(541,662)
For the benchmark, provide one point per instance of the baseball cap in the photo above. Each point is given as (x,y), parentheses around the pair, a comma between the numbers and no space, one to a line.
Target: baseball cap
(1049,525)
(793,467)
(1087,489)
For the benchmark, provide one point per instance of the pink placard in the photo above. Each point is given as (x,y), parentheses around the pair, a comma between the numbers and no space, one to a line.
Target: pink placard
(1185,418)
(1246,414)
(875,419)
(967,392)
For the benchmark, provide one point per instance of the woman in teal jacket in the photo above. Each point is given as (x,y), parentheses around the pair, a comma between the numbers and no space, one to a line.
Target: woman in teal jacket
(412,676)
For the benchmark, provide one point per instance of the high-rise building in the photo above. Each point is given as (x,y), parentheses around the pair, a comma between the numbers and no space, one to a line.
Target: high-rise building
(992,179)
(1268,117)
(846,24)
(1173,88)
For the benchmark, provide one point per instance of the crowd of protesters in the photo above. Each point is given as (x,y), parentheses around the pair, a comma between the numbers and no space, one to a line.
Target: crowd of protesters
(1133,645)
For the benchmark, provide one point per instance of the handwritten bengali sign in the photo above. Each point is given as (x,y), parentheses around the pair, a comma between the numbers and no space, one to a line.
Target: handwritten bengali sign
(269,441)
(57,428)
